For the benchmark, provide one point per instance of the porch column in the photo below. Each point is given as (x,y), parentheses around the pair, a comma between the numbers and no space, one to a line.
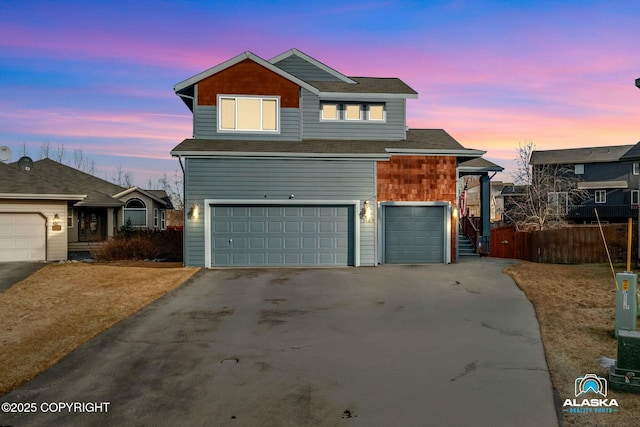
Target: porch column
(485,211)
(110,225)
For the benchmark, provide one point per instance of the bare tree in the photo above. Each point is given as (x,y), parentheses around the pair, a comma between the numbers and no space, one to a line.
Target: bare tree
(82,163)
(543,192)
(174,188)
(123,178)
(58,155)
(45,147)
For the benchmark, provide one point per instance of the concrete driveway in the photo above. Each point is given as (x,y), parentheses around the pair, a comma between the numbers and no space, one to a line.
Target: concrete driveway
(14,272)
(435,345)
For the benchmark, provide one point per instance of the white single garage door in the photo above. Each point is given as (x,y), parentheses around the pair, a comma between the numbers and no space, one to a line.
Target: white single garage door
(272,235)
(414,234)
(22,237)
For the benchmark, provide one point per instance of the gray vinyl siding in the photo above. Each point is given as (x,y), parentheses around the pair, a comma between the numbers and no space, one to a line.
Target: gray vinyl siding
(275,180)
(392,129)
(206,126)
(304,70)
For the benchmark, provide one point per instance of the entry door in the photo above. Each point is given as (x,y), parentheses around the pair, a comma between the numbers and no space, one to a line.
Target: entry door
(91,225)
(414,234)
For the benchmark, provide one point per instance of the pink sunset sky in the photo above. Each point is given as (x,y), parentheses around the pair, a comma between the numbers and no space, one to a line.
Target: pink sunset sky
(99,76)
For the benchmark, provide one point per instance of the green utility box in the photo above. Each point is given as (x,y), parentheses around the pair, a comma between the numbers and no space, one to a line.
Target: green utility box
(625,375)
(626,301)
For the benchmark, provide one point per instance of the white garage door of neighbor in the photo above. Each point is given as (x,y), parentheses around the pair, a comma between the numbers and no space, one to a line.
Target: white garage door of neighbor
(22,237)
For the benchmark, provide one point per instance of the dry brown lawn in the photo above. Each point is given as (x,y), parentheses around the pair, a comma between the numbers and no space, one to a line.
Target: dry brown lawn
(62,306)
(575,306)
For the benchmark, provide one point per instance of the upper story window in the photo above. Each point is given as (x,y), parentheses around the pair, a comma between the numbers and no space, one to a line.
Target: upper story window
(601,196)
(352,112)
(579,169)
(635,168)
(248,114)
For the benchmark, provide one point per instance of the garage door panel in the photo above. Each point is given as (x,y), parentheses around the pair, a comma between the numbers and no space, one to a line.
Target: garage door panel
(22,237)
(292,235)
(414,234)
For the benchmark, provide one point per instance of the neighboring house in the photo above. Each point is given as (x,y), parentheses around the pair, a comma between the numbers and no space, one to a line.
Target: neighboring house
(610,180)
(32,216)
(292,163)
(472,184)
(102,209)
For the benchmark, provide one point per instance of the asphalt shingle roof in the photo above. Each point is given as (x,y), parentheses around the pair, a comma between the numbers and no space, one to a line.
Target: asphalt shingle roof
(632,155)
(15,181)
(365,85)
(417,139)
(579,155)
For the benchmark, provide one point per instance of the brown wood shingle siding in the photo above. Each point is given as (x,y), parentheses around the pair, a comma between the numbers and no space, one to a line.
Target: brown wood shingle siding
(248,78)
(419,179)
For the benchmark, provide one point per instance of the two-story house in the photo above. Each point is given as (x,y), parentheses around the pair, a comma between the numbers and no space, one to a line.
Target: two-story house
(610,182)
(293,163)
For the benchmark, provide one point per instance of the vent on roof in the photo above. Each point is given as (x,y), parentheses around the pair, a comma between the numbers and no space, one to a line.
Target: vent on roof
(5,154)
(25,164)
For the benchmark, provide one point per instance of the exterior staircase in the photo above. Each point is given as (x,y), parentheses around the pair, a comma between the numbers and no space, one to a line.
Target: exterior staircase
(465,246)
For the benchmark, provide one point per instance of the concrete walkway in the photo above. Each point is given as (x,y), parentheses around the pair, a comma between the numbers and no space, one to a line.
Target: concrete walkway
(438,345)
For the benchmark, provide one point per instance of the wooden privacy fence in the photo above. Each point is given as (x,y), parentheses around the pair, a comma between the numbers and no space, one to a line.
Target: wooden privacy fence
(570,245)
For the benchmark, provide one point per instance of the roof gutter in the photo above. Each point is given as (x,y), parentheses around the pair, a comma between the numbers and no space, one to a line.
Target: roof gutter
(248,155)
(24,196)
(436,152)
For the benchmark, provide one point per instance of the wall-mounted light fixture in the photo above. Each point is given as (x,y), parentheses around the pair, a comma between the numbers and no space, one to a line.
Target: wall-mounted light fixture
(454,213)
(194,211)
(56,223)
(366,214)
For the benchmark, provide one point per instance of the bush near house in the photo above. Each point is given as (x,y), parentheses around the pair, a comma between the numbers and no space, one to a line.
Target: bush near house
(140,244)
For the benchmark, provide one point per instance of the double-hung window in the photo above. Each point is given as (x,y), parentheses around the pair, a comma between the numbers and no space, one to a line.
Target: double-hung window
(248,114)
(600,196)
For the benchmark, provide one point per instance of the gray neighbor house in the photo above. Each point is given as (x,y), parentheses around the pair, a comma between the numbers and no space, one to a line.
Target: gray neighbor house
(611,175)
(293,163)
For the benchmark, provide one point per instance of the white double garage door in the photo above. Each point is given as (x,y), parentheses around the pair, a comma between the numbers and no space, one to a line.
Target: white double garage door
(319,235)
(22,237)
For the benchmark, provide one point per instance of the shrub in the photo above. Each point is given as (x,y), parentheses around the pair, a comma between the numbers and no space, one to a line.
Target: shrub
(133,244)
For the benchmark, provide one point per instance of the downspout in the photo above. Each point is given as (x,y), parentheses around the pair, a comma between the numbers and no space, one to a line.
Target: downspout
(184,204)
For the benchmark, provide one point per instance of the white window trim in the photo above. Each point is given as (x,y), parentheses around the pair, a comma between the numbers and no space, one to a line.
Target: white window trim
(69,217)
(579,169)
(163,219)
(261,98)
(384,113)
(635,194)
(330,119)
(125,209)
(636,168)
(600,199)
(341,112)
(156,217)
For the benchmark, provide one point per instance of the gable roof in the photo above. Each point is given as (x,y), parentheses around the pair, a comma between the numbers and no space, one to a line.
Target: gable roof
(579,155)
(360,86)
(479,165)
(159,196)
(417,142)
(185,84)
(17,184)
(633,154)
(312,61)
